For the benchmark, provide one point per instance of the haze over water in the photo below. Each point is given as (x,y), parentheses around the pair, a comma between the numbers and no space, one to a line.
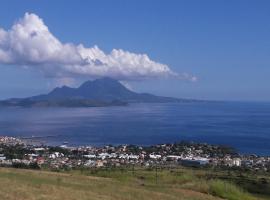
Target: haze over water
(245,126)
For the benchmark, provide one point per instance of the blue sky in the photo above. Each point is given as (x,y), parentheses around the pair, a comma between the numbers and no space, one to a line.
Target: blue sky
(225,44)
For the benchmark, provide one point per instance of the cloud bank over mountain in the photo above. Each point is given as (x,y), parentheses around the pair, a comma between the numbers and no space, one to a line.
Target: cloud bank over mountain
(29,43)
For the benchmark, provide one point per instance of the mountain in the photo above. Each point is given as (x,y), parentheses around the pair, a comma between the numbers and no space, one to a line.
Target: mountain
(100,92)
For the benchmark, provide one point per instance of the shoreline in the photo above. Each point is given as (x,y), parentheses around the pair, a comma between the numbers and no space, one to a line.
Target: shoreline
(15,152)
(41,140)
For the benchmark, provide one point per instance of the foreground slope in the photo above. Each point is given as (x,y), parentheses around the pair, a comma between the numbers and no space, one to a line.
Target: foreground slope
(117,184)
(31,185)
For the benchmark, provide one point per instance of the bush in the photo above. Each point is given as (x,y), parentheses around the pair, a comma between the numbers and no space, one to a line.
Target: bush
(227,190)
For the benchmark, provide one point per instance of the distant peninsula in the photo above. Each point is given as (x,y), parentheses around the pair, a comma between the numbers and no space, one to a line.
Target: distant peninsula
(96,93)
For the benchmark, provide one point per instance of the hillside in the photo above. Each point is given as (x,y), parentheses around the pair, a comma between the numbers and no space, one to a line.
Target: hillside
(33,185)
(22,184)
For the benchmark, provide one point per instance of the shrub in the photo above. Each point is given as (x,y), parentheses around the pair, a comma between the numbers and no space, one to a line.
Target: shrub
(227,190)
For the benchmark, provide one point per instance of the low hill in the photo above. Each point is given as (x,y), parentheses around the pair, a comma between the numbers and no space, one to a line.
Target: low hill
(100,92)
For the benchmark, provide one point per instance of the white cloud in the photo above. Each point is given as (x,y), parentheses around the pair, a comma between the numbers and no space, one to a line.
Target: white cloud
(30,43)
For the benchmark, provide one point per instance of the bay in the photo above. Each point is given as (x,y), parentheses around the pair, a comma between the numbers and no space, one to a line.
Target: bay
(243,125)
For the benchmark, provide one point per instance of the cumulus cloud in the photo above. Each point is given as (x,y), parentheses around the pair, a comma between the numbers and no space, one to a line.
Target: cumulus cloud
(30,43)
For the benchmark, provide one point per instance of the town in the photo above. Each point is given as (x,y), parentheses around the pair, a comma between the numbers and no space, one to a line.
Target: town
(17,153)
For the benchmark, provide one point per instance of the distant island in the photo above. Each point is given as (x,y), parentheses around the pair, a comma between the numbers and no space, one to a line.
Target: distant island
(97,93)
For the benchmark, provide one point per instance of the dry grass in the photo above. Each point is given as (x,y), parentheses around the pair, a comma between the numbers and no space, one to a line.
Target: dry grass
(18,184)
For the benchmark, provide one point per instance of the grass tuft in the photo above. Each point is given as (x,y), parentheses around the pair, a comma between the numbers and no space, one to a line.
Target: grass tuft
(228,190)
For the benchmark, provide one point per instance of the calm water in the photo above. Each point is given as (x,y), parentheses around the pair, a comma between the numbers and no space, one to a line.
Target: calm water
(245,126)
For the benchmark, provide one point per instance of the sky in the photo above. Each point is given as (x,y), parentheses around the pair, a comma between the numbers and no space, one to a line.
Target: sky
(216,50)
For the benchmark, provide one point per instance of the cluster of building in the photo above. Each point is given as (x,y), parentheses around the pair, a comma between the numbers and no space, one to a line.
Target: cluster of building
(10,140)
(14,152)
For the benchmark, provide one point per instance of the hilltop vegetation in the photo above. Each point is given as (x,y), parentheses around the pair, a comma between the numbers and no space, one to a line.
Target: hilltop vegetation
(185,184)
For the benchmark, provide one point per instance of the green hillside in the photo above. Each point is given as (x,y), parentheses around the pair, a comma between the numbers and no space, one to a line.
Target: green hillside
(22,184)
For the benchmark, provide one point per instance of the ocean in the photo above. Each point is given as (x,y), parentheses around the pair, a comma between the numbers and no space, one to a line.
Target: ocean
(244,126)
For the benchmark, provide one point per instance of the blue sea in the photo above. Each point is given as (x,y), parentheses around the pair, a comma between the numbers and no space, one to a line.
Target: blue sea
(244,126)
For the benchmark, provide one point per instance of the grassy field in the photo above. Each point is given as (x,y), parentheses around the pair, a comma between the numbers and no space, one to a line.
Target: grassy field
(116,184)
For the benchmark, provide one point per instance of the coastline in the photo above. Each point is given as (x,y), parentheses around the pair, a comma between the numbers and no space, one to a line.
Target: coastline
(15,152)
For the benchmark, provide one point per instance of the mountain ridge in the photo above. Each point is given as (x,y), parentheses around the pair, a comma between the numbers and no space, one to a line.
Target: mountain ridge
(100,92)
